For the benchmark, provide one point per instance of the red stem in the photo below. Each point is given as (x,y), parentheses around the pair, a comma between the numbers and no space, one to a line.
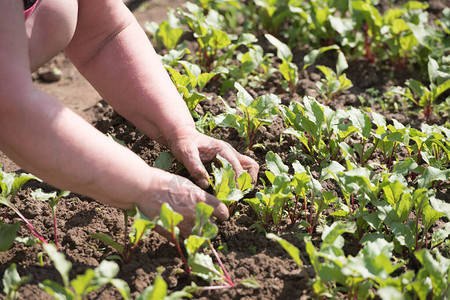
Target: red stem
(30,226)
(183,258)
(228,278)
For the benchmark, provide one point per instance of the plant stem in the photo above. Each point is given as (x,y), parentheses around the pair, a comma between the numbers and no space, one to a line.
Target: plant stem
(228,278)
(125,240)
(392,155)
(293,217)
(55,229)
(177,245)
(30,226)
(419,211)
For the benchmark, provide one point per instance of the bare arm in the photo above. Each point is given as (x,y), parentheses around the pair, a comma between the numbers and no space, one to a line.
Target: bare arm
(112,51)
(52,142)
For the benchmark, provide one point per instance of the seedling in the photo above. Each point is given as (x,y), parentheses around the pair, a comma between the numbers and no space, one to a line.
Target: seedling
(52,200)
(139,229)
(334,83)
(82,285)
(159,290)
(10,184)
(169,219)
(427,96)
(168,33)
(228,188)
(314,125)
(255,113)
(12,281)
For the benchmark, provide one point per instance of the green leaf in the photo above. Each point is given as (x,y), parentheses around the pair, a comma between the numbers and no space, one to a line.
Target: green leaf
(429,217)
(361,121)
(122,287)
(441,206)
(293,251)
(169,35)
(311,57)
(164,161)
(169,218)
(341,64)
(390,293)
(8,233)
(203,266)
(243,97)
(442,88)
(59,260)
(203,226)
(141,228)
(56,290)
(440,235)
(275,164)
(12,281)
(193,243)
(106,239)
(432,174)
(436,270)
(283,50)
(250,283)
(81,283)
(157,291)
(335,231)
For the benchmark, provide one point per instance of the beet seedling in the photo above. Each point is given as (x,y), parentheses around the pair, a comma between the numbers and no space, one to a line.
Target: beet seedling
(426,96)
(83,284)
(253,113)
(10,184)
(169,219)
(52,199)
(334,83)
(139,229)
(168,33)
(12,281)
(228,188)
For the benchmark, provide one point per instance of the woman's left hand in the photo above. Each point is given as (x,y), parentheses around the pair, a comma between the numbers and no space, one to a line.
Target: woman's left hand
(192,148)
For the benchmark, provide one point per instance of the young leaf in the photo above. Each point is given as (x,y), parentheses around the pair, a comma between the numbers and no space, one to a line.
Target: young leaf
(61,263)
(12,281)
(293,251)
(170,218)
(203,226)
(108,241)
(164,161)
(8,233)
(283,50)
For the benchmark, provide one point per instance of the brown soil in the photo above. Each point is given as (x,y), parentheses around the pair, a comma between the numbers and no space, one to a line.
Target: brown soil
(250,254)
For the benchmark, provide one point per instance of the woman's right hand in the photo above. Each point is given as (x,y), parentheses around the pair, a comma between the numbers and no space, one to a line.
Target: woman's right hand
(182,195)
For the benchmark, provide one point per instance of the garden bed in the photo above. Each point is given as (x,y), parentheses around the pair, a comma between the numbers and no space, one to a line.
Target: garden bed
(245,250)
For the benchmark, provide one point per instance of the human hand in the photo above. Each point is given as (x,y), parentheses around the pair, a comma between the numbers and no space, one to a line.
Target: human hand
(182,195)
(192,148)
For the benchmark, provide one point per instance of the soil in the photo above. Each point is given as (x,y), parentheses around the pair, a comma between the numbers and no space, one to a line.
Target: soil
(250,253)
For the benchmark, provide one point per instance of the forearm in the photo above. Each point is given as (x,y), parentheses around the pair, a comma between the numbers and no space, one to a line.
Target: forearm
(55,144)
(129,75)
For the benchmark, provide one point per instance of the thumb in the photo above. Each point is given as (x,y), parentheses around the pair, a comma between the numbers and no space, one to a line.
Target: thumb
(190,157)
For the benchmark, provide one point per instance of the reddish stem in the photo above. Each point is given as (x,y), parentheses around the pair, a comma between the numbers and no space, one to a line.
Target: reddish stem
(30,226)
(183,258)
(228,278)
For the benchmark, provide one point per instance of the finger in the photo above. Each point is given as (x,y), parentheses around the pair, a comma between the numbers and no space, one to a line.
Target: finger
(190,157)
(220,209)
(231,155)
(250,165)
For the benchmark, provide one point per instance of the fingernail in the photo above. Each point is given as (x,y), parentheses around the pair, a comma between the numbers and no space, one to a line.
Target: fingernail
(203,183)
(223,211)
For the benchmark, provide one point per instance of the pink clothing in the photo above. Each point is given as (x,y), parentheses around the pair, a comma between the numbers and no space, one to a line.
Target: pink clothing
(27,13)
